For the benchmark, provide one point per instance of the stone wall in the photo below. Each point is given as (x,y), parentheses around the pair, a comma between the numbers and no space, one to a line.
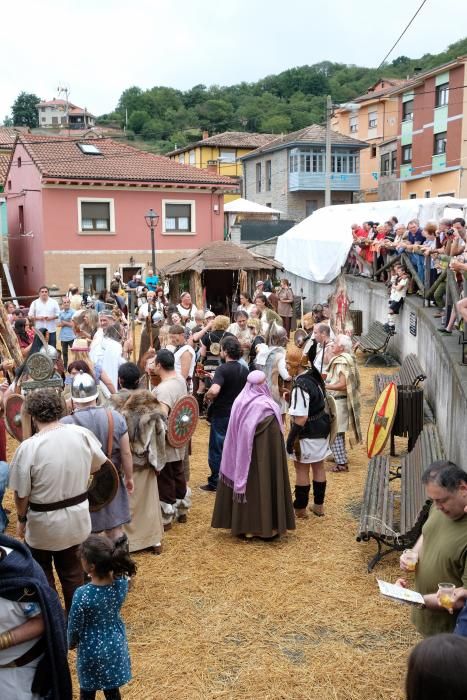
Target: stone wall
(446,385)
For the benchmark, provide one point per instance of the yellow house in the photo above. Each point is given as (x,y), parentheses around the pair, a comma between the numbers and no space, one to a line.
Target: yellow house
(373,118)
(221,153)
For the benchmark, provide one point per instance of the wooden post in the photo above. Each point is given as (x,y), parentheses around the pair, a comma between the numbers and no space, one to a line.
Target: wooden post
(197,289)
(10,341)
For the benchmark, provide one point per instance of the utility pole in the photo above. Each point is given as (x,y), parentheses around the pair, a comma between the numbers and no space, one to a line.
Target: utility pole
(327,183)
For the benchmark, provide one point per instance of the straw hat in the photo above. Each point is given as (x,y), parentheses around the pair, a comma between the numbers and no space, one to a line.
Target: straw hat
(80,345)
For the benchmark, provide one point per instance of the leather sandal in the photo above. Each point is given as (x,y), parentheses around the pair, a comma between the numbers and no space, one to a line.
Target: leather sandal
(339,468)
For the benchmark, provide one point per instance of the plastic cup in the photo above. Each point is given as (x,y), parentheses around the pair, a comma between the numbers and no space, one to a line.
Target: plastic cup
(446,594)
(410,558)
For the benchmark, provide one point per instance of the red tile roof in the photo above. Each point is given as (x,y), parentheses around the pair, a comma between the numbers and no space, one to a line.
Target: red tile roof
(313,134)
(60,157)
(229,139)
(4,167)
(8,135)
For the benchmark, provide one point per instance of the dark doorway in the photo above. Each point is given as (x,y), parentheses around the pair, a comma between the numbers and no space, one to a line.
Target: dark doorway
(128,272)
(221,286)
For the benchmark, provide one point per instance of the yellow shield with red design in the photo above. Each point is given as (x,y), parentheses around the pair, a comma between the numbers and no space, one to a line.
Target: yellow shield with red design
(382,420)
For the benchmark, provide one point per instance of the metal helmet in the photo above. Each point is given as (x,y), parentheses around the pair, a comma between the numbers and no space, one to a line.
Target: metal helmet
(83,388)
(50,351)
(157,317)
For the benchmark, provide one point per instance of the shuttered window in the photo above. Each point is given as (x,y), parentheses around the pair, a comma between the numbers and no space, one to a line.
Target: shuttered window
(95,216)
(178,217)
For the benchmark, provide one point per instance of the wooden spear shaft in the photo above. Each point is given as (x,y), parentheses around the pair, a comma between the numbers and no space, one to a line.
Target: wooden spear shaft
(9,337)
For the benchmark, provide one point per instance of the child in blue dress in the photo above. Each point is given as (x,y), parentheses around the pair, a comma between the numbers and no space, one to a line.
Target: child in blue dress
(94,622)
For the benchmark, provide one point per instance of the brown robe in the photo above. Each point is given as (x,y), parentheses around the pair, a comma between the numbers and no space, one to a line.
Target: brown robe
(268,509)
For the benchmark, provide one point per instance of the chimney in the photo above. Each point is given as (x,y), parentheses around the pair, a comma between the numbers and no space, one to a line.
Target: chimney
(205,135)
(212,167)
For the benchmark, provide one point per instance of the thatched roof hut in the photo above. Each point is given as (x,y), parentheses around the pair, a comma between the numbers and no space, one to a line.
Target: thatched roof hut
(216,274)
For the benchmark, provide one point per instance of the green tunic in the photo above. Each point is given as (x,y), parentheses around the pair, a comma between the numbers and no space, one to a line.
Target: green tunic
(443,559)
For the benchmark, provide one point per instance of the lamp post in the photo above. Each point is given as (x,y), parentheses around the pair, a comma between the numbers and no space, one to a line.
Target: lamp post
(151,219)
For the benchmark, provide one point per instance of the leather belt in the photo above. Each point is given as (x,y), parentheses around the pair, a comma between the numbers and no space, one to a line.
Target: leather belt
(339,398)
(30,655)
(66,503)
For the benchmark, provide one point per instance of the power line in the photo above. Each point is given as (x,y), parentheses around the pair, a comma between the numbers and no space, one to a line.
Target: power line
(395,44)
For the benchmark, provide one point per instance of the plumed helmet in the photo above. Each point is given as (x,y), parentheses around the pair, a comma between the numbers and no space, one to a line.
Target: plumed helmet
(50,351)
(83,388)
(277,335)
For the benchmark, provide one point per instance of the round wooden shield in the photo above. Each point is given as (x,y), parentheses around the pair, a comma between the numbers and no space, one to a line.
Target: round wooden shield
(103,486)
(13,423)
(382,420)
(182,421)
(39,367)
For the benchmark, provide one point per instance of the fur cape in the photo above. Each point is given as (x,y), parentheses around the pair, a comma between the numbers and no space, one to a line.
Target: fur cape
(147,426)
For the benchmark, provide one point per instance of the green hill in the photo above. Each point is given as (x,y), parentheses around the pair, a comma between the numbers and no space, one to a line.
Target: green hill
(163,118)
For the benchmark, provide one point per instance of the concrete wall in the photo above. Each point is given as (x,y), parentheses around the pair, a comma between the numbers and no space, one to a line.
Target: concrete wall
(446,386)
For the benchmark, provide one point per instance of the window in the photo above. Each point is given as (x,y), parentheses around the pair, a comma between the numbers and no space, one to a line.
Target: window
(385,164)
(311,205)
(353,125)
(407,111)
(413,195)
(54,120)
(42,109)
(178,217)
(9,184)
(95,279)
(21,218)
(95,216)
(192,158)
(227,156)
(269,204)
(43,119)
(393,162)
(268,175)
(407,154)
(19,162)
(89,149)
(373,151)
(258,177)
(372,120)
(427,194)
(442,94)
(440,142)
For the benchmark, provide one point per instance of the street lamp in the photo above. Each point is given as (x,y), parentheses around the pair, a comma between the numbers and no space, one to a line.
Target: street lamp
(151,219)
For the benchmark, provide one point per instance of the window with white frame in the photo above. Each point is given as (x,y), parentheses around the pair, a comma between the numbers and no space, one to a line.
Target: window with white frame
(440,143)
(372,120)
(353,124)
(407,111)
(179,217)
(258,177)
(96,215)
(268,175)
(442,95)
(227,155)
(407,154)
(192,158)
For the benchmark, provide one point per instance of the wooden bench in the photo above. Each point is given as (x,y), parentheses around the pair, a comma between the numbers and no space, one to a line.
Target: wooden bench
(375,342)
(394,518)
(410,370)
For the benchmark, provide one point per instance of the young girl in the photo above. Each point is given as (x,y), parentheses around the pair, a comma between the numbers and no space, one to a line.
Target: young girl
(94,622)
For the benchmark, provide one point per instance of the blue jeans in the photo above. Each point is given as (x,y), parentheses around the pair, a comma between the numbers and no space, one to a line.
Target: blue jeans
(4,470)
(418,261)
(216,444)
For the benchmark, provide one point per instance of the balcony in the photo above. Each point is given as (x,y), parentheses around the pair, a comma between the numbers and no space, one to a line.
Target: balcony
(341,182)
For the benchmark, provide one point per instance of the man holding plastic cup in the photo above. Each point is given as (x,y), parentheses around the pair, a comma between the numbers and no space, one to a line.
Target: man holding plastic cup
(441,549)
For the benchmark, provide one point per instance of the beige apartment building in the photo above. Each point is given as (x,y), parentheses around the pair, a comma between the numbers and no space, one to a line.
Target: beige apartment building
(374,118)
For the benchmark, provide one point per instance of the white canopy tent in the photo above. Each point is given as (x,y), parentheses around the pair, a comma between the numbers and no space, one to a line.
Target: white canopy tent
(244,206)
(317,247)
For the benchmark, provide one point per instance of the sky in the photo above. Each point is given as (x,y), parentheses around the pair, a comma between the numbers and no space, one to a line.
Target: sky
(98,48)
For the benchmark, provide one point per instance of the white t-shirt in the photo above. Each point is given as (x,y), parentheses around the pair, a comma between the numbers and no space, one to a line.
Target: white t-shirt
(186,313)
(398,294)
(48,308)
(178,354)
(299,403)
(53,466)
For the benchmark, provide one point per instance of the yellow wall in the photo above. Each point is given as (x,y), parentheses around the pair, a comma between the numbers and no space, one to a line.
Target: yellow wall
(443,183)
(205,153)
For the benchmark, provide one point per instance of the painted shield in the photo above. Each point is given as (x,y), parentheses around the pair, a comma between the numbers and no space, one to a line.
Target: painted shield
(13,422)
(39,367)
(103,486)
(382,420)
(299,337)
(182,421)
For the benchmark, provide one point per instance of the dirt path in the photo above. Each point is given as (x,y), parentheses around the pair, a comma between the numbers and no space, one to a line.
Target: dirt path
(214,617)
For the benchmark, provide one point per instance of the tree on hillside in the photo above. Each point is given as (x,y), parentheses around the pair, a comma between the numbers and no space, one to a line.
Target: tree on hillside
(24,110)
(215,115)
(137,120)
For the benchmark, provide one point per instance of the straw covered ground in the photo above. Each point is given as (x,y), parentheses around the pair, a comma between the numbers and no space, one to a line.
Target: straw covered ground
(214,617)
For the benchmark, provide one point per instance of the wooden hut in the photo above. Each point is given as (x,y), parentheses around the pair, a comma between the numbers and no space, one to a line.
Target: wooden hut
(216,274)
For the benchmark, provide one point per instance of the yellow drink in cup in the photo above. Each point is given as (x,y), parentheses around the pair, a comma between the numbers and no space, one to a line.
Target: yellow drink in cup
(446,595)
(410,559)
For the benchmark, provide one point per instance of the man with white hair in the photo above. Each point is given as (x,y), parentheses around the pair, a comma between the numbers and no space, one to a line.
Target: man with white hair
(343,383)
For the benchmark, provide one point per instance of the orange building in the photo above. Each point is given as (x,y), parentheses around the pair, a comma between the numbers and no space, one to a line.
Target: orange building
(374,118)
